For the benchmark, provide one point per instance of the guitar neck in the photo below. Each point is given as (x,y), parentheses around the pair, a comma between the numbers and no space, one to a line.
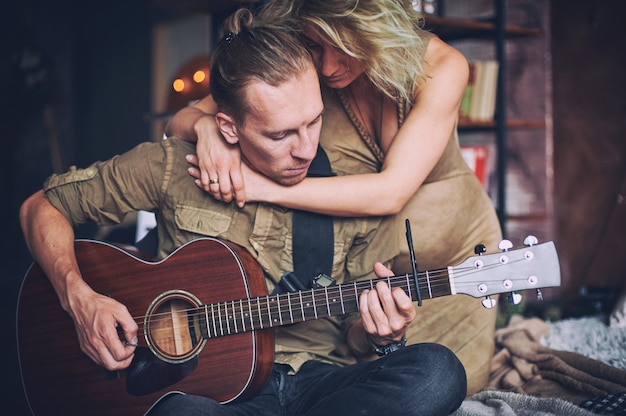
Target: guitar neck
(243,315)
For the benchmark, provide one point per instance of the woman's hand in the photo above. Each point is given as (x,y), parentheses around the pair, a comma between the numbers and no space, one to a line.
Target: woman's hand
(218,163)
(259,188)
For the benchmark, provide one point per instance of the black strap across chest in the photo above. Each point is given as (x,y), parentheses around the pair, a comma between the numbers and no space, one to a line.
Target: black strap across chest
(313,235)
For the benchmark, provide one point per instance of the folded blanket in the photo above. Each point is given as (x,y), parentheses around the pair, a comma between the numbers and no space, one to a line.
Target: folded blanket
(500,403)
(590,336)
(522,365)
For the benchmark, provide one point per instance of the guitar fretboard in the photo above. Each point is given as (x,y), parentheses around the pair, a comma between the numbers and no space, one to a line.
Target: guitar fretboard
(243,315)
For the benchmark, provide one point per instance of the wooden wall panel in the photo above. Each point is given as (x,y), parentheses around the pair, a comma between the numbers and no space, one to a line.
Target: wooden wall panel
(589,85)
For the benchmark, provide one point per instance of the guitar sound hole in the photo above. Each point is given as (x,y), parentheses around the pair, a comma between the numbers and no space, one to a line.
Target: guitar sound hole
(175,326)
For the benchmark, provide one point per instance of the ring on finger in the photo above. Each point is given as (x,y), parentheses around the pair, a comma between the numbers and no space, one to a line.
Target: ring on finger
(214,181)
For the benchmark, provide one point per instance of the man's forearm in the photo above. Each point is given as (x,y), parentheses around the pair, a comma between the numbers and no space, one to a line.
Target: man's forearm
(50,239)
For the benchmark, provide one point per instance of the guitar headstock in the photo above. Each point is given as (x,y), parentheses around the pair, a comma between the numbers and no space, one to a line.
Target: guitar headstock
(533,267)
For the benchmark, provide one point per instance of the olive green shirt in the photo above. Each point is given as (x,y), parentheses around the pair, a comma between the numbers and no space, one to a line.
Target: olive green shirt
(153,177)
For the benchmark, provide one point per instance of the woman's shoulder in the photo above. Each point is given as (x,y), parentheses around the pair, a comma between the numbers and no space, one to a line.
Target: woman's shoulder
(438,51)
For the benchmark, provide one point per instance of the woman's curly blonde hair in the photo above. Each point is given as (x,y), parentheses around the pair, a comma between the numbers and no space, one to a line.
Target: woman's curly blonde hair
(385,35)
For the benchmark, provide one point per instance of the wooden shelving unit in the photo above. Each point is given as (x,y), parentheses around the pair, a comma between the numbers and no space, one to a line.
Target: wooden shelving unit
(496,30)
(455,28)
(467,125)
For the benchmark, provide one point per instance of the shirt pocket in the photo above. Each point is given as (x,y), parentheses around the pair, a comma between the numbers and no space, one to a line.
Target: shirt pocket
(71,176)
(202,221)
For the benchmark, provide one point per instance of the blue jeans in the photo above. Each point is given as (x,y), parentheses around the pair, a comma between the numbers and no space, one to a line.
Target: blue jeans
(423,379)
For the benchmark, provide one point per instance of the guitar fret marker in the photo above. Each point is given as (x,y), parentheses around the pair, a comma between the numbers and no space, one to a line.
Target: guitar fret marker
(250,316)
(234,317)
(213,316)
(206,321)
(219,318)
(290,310)
(327,302)
(430,289)
(302,307)
(270,318)
(408,286)
(258,302)
(243,322)
(280,313)
(314,306)
(343,309)
(227,316)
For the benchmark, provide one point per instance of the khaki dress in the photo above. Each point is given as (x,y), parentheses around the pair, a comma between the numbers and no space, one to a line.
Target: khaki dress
(450,214)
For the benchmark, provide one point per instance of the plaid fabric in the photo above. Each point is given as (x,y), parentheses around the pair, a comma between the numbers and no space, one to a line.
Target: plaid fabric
(611,404)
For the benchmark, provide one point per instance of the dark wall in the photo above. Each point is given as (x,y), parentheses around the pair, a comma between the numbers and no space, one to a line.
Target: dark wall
(113,80)
(75,79)
(589,81)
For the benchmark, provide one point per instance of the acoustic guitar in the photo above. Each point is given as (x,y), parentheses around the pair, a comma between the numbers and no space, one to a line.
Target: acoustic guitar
(205,321)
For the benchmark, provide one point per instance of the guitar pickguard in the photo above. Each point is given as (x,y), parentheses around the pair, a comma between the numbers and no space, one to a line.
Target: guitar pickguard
(148,374)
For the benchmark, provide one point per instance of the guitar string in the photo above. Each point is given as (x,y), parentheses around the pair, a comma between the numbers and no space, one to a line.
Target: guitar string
(311,292)
(437,279)
(435,283)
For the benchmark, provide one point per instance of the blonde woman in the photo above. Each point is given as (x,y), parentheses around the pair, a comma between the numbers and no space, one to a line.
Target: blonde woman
(391,93)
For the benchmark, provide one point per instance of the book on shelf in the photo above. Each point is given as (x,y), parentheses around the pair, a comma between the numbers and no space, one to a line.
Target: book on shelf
(464,109)
(478,159)
(479,99)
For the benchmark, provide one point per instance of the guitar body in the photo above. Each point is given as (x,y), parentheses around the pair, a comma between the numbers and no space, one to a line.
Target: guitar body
(59,379)
(206,321)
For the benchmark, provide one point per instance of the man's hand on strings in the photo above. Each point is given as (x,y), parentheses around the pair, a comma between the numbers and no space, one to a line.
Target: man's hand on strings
(386,313)
(106,331)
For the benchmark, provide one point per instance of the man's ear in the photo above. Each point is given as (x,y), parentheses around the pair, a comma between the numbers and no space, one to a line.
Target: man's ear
(227,126)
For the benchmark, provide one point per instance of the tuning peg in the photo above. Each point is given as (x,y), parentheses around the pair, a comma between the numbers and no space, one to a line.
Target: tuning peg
(539,294)
(505,245)
(480,249)
(489,302)
(530,241)
(514,298)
